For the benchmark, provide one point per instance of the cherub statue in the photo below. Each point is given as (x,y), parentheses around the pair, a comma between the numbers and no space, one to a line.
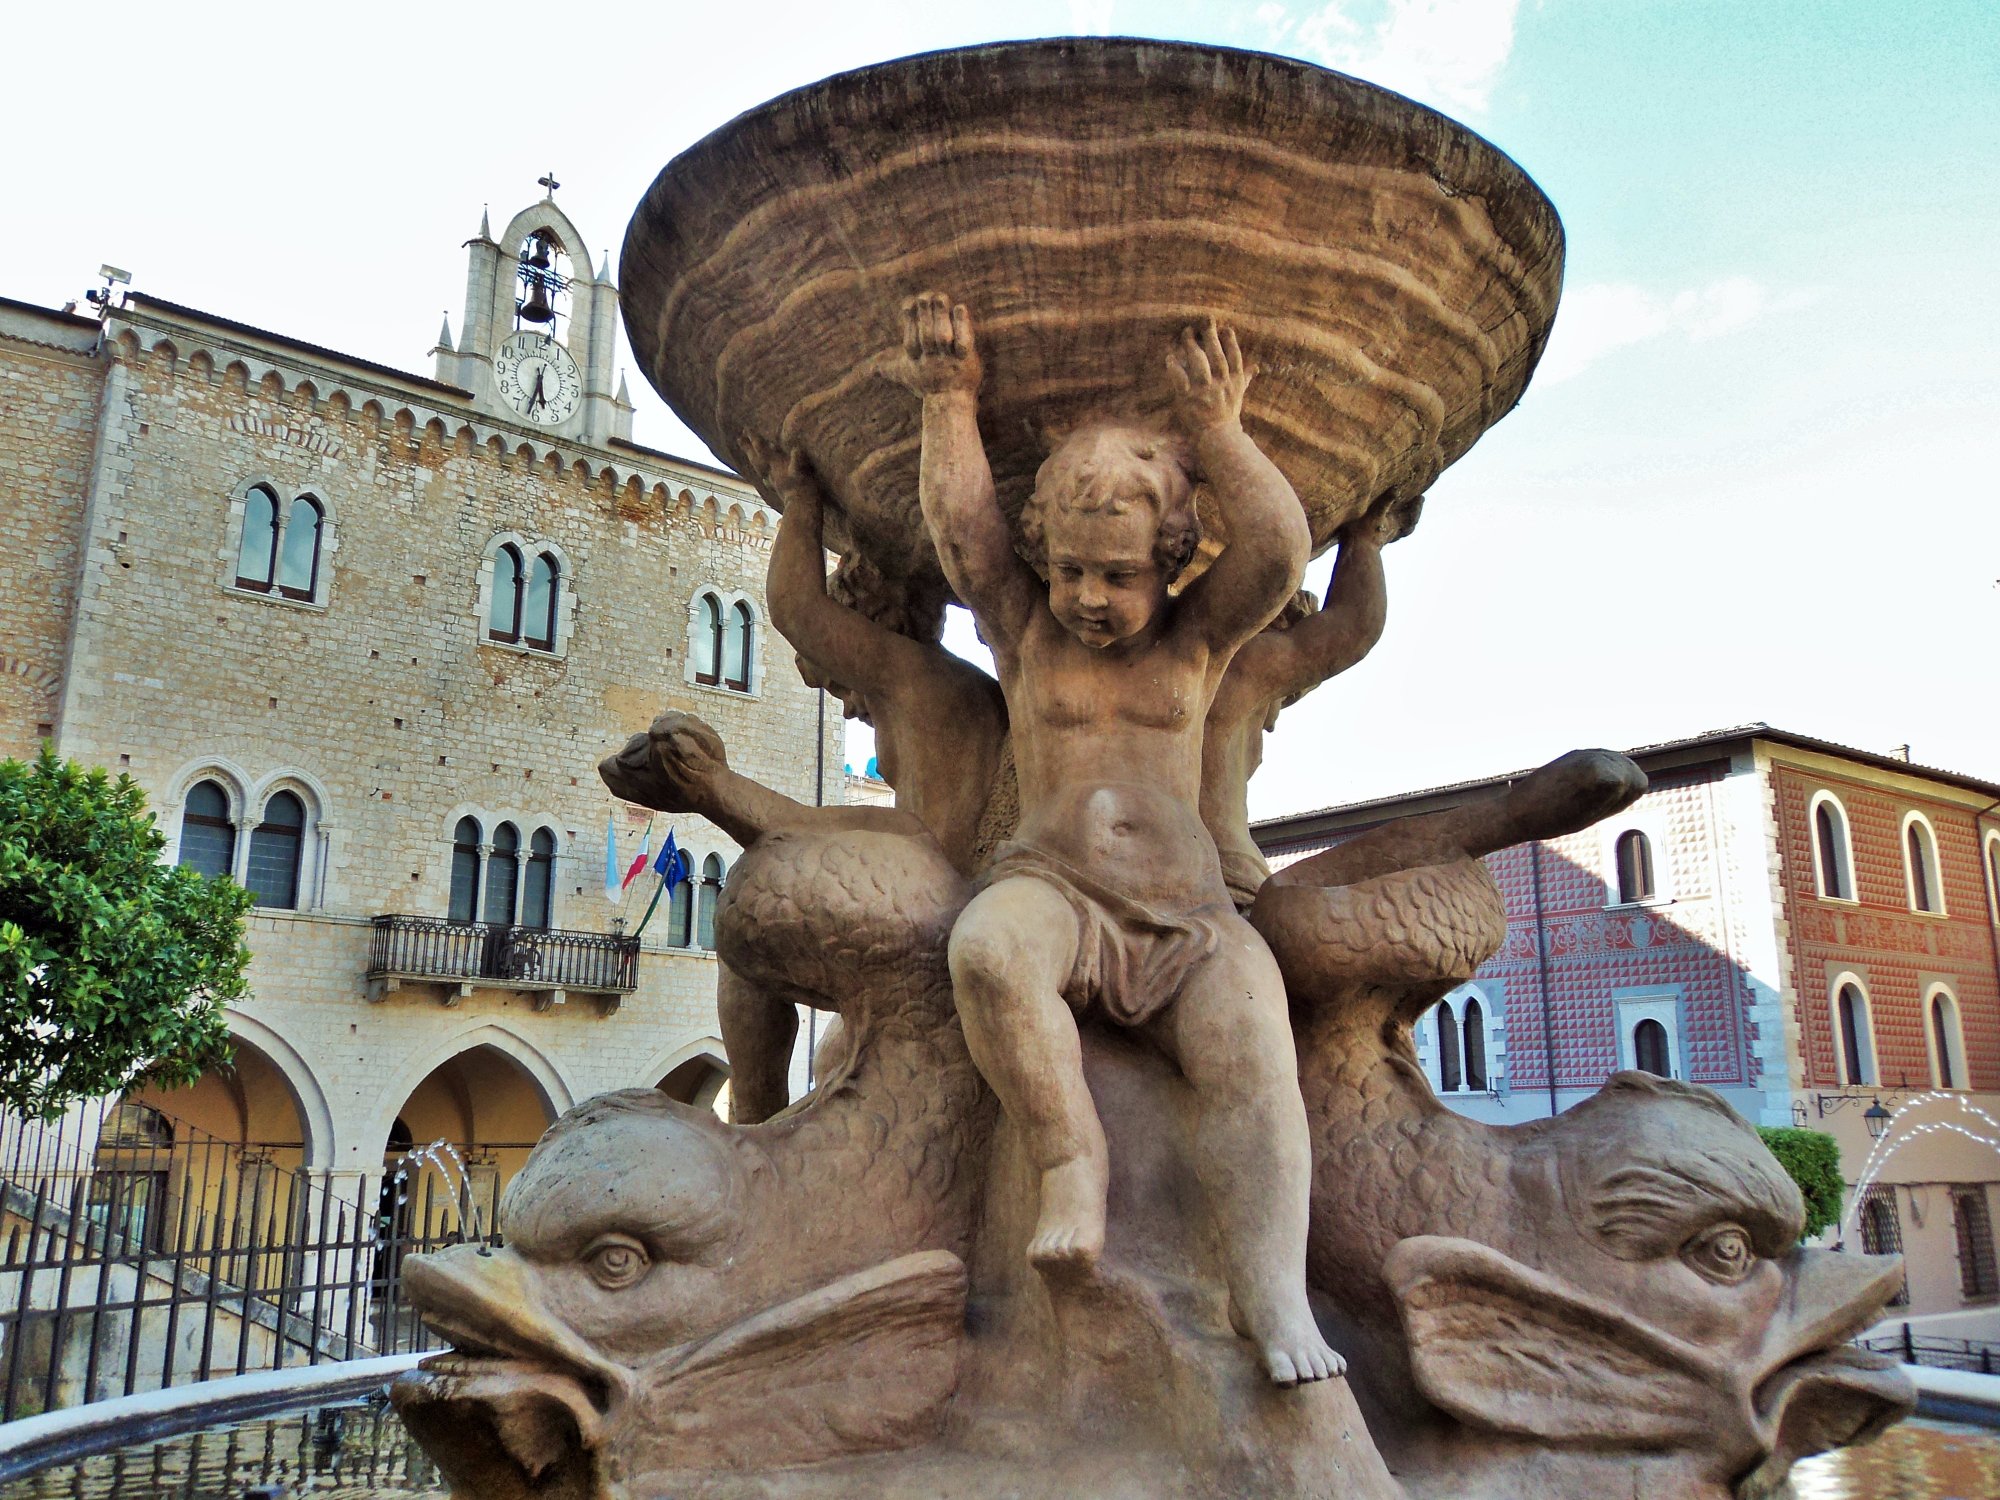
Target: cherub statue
(1110,897)
(1294,654)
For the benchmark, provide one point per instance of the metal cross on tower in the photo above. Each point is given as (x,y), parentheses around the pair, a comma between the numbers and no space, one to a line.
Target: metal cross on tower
(548,182)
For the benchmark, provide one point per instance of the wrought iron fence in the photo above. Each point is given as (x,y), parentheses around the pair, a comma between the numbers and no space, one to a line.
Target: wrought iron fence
(137,1251)
(1944,1354)
(539,957)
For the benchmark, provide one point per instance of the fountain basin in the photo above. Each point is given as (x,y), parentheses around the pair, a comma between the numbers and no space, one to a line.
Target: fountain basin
(1393,274)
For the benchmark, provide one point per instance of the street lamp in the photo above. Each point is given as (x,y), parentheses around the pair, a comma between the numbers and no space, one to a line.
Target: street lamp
(1878,1120)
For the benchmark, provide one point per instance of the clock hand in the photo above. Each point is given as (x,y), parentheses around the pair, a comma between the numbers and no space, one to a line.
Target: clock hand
(539,398)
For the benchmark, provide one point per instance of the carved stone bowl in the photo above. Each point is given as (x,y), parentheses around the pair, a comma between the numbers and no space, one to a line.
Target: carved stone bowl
(1393,274)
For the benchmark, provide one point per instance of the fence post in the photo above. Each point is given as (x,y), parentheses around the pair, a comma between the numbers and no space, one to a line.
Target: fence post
(1909,1346)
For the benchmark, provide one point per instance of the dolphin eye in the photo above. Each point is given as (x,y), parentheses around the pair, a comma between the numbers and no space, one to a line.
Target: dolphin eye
(615,1264)
(1722,1254)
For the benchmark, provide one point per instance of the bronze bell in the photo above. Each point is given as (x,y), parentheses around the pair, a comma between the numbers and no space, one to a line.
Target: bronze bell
(536,309)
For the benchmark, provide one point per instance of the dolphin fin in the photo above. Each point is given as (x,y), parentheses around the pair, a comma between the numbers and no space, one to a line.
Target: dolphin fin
(862,1364)
(1503,1346)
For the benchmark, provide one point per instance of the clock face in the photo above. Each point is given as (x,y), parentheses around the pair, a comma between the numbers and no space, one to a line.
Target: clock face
(538,378)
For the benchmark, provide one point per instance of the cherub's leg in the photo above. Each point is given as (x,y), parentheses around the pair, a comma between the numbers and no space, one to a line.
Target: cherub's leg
(757,1032)
(1011,951)
(1230,1034)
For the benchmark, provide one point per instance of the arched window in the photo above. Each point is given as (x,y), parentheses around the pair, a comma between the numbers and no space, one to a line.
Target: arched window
(540,884)
(1993,873)
(503,615)
(707,643)
(711,891)
(1853,1035)
(1831,856)
(277,848)
(1635,866)
(465,842)
(1450,1079)
(298,569)
(680,915)
(208,838)
(1475,1045)
(257,552)
(503,872)
(538,615)
(1921,865)
(736,643)
(1649,1049)
(1947,1043)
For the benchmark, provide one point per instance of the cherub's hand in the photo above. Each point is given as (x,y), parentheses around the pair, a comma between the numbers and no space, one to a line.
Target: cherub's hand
(670,768)
(1209,379)
(939,355)
(1388,520)
(784,473)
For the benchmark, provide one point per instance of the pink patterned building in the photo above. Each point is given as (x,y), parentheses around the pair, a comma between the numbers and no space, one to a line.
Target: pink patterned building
(1809,929)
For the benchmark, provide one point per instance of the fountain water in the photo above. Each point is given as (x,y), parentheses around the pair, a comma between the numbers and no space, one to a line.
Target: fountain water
(1894,1139)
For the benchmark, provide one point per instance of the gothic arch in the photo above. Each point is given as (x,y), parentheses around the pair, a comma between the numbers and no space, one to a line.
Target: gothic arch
(307,1096)
(542,1072)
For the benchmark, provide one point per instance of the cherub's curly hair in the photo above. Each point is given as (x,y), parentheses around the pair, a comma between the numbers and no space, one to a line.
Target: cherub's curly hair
(1094,468)
(903,605)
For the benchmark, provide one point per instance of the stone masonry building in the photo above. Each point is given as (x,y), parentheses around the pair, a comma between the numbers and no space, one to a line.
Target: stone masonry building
(362,636)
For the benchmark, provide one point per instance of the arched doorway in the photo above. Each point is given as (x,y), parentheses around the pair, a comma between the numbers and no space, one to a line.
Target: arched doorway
(218,1167)
(702,1081)
(482,1106)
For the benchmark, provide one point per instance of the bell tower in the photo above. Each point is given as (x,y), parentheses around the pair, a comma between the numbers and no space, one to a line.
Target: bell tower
(538,336)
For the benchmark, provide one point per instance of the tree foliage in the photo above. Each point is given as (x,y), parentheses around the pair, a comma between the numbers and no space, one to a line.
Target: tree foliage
(1811,1158)
(114,968)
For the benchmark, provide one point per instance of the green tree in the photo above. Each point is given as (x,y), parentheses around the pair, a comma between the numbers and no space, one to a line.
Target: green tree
(114,968)
(1811,1158)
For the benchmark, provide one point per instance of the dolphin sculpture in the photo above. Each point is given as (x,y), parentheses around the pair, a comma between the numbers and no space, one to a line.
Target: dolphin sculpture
(1554,1307)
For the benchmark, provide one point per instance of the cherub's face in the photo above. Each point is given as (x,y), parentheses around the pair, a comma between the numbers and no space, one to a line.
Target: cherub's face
(1105,585)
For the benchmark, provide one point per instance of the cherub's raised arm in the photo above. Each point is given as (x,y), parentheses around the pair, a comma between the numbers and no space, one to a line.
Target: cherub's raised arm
(842,644)
(940,362)
(1268,539)
(1346,627)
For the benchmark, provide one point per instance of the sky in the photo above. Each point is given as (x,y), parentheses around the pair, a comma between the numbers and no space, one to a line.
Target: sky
(1754,479)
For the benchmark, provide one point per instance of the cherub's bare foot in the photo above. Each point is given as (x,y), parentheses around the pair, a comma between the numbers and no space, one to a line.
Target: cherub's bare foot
(1069,1235)
(1292,1349)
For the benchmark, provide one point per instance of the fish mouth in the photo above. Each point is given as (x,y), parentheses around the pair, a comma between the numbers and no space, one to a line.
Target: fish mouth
(482,1305)
(1826,1400)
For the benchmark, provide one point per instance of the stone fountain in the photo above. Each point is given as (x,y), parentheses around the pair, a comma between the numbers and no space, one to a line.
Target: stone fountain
(1121,1179)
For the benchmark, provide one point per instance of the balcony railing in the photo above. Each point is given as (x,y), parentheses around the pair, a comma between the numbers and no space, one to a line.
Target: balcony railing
(491,955)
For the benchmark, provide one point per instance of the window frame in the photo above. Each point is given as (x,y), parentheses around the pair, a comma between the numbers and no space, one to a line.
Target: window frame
(298,863)
(544,860)
(518,588)
(1864,1032)
(477,849)
(547,640)
(1972,1237)
(1844,826)
(713,872)
(1450,1056)
(706,624)
(1923,870)
(1952,1059)
(1472,1029)
(310,592)
(227,822)
(1646,868)
(1635,1007)
(1989,846)
(247,582)
(740,620)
